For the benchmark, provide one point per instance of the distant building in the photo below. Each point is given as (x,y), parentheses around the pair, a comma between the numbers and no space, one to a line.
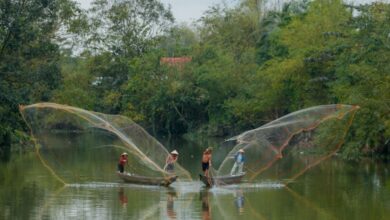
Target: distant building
(175,61)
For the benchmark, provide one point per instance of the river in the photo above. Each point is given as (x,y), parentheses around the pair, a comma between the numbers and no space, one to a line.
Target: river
(335,189)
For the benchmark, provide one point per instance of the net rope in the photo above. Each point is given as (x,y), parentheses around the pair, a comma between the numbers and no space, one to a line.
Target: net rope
(65,134)
(287,147)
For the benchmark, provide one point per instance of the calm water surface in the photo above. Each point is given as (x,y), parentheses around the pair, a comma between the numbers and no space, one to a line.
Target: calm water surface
(333,190)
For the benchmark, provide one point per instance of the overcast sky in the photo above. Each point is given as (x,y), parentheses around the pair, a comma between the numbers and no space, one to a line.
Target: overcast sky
(183,10)
(191,10)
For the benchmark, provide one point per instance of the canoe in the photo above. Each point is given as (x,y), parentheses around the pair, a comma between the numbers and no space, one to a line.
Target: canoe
(159,181)
(221,180)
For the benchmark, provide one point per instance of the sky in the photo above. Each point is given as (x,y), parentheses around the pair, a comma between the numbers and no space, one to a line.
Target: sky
(183,10)
(191,10)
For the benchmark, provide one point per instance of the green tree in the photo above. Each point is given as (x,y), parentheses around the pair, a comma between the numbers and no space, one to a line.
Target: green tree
(126,27)
(180,40)
(294,57)
(29,56)
(166,95)
(121,31)
(363,79)
(225,63)
(77,88)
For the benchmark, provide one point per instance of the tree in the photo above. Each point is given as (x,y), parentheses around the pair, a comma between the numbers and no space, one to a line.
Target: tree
(126,27)
(77,87)
(179,40)
(363,79)
(28,57)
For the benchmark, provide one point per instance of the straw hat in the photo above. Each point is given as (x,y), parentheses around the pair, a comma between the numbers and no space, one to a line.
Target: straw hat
(241,151)
(175,152)
(124,153)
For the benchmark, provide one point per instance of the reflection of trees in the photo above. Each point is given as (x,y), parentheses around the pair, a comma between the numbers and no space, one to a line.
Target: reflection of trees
(234,205)
(21,192)
(337,190)
(27,191)
(345,190)
(310,204)
(266,203)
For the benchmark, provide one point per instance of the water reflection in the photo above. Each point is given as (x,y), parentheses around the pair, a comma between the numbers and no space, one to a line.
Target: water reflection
(336,190)
(239,200)
(204,198)
(171,196)
(122,197)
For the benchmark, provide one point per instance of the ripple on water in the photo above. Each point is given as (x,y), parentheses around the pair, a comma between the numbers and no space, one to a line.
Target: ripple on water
(183,187)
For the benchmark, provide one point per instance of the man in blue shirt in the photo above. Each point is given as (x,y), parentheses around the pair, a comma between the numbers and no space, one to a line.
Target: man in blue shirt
(239,159)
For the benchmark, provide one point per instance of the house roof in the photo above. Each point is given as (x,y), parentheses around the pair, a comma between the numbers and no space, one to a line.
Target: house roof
(175,61)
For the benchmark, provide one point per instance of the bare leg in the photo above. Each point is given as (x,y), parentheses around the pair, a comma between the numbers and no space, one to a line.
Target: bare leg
(240,167)
(233,169)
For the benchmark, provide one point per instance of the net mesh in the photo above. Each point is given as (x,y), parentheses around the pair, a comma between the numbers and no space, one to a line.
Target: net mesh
(77,145)
(284,149)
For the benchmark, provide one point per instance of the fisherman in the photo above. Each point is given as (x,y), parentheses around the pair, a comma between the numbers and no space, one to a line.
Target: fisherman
(239,159)
(206,161)
(122,162)
(169,162)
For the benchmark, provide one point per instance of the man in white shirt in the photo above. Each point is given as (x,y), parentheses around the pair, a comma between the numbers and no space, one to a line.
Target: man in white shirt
(239,159)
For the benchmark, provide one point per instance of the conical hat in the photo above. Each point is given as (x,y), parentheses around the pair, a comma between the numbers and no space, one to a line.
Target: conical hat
(175,152)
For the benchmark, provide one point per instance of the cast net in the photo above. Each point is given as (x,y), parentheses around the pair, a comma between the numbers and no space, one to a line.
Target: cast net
(284,149)
(79,146)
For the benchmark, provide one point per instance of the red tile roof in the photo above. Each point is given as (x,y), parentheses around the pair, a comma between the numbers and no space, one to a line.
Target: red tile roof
(175,61)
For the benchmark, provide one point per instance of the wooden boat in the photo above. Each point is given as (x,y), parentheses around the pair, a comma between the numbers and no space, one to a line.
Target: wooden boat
(159,181)
(221,180)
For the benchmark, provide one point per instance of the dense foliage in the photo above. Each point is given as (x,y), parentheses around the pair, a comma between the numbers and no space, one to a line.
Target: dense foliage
(29,58)
(249,65)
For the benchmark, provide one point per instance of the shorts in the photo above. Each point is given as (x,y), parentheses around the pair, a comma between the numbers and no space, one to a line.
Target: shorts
(170,168)
(121,168)
(205,166)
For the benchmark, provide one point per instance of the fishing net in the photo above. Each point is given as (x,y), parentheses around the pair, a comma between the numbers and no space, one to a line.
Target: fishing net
(78,146)
(284,149)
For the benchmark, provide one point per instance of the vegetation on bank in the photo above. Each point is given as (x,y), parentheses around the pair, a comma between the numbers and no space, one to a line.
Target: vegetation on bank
(247,67)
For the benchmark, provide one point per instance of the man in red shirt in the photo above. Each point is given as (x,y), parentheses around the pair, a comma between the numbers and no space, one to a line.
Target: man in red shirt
(122,162)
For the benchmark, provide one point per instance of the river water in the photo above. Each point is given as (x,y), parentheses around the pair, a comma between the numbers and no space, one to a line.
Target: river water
(335,189)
